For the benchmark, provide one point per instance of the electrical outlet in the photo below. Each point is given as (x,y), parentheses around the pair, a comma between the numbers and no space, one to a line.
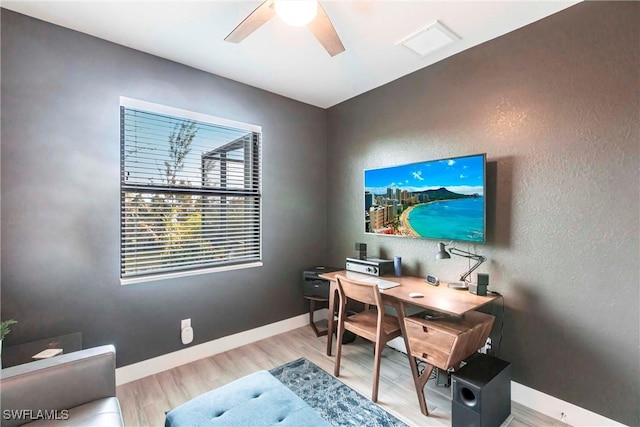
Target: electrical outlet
(186,331)
(486,347)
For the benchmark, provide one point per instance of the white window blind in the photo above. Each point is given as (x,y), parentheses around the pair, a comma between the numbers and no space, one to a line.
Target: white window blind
(190,193)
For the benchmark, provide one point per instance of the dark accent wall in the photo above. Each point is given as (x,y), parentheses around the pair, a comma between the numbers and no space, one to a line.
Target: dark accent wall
(555,105)
(60,196)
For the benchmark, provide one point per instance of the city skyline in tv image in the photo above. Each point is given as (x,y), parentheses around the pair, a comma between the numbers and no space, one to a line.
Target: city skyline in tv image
(438,199)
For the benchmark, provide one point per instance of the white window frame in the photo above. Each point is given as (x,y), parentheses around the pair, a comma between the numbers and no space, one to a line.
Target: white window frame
(131,103)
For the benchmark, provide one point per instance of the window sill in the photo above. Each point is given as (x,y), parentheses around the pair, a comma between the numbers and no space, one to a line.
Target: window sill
(134,280)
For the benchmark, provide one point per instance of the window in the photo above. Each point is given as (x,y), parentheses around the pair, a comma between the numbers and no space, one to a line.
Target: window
(190,192)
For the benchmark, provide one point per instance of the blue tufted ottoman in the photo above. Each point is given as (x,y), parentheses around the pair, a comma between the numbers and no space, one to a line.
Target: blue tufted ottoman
(258,399)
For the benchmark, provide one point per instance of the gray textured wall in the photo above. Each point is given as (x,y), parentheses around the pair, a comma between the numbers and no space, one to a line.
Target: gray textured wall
(60,196)
(555,106)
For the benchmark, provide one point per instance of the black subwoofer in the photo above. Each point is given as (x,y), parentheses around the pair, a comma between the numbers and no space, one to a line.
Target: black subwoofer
(481,393)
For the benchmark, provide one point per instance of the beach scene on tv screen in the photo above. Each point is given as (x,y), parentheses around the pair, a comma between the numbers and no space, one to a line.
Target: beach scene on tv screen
(442,199)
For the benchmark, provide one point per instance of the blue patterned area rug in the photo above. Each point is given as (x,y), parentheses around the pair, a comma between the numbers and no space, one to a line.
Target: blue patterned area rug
(334,401)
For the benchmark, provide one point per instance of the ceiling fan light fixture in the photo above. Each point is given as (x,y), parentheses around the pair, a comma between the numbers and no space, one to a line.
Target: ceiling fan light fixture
(296,12)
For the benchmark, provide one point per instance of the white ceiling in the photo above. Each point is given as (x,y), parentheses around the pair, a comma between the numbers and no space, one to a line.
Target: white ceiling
(288,60)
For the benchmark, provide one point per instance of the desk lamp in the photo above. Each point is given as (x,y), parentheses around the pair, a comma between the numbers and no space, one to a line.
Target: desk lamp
(443,254)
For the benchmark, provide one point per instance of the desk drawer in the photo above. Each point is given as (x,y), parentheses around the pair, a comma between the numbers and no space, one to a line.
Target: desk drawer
(316,288)
(428,343)
(445,343)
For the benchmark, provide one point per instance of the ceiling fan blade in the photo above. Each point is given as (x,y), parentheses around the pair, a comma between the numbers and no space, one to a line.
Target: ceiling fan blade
(322,28)
(262,14)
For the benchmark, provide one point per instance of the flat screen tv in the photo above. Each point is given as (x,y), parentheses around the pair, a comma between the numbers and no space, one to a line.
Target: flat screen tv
(436,199)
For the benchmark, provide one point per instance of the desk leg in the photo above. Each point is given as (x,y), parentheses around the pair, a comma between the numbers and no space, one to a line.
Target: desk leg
(330,321)
(419,380)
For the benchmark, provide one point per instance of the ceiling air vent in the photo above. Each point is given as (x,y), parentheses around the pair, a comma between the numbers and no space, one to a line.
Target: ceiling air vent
(429,39)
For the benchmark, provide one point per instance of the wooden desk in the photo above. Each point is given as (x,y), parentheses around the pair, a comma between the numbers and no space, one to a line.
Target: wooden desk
(441,299)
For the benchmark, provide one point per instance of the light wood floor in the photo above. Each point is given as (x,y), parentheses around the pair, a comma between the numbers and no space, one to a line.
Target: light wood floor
(145,401)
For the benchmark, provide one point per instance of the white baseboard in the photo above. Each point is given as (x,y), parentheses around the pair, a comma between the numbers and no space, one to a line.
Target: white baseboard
(556,408)
(158,364)
(536,400)
(541,402)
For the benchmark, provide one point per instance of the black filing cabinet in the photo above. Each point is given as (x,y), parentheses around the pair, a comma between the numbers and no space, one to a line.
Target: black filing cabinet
(313,285)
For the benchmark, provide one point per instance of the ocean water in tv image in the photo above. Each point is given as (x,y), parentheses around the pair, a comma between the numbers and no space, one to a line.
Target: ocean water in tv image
(436,199)
(461,219)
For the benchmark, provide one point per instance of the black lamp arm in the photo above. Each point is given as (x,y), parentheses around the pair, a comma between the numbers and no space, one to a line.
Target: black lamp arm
(479,258)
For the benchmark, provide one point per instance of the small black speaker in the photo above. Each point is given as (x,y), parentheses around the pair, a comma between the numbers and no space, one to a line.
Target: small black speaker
(481,392)
(481,287)
(483,279)
(362,250)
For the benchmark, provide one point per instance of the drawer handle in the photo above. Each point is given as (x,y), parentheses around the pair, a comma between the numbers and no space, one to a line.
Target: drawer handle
(425,355)
(424,329)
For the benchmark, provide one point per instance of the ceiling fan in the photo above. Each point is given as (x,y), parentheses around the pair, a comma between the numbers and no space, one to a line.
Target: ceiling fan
(293,12)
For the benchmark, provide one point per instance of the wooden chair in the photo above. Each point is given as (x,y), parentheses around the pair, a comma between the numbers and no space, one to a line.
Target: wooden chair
(373,325)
